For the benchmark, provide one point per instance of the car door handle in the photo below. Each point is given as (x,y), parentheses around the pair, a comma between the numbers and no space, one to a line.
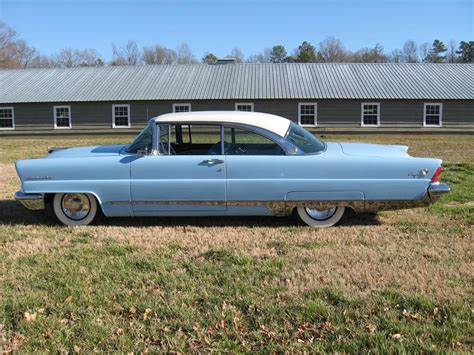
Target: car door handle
(213,161)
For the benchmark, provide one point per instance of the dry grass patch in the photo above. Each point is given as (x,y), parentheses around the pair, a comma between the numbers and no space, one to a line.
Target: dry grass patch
(399,281)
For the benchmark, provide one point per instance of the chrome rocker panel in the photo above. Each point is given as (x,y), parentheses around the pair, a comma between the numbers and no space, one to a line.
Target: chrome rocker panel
(282,208)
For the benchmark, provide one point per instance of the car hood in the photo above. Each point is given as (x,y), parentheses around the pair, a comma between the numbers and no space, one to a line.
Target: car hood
(92,151)
(374,150)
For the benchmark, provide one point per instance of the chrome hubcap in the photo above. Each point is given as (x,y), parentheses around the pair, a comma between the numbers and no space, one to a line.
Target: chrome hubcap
(321,215)
(76,206)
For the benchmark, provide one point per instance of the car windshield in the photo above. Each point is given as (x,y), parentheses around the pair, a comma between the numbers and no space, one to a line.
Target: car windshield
(304,140)
(142,142)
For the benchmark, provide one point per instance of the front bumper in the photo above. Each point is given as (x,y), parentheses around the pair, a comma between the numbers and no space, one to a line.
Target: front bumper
(32,202)
(437,189)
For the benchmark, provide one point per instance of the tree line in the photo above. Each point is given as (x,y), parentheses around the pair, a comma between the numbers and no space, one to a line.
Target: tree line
(17,53)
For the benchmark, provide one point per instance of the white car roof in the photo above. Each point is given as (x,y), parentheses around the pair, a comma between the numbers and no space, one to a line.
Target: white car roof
(273,123)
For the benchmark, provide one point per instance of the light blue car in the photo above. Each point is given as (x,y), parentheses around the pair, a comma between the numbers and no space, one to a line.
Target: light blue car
(227,164)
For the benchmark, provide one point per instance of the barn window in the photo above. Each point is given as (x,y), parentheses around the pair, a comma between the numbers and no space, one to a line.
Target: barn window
(433,115)
(62,117)
(371,114)
(307,112)
(7,118)
(244,106)
(181,107)
(120,116)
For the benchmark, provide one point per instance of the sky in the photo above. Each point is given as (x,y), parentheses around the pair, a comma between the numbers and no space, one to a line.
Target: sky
(218,26)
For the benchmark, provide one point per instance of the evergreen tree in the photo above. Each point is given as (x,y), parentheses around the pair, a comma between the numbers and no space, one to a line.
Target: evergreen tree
(278,54)
(209,58)
(466,52)
(306,53)
(437,53)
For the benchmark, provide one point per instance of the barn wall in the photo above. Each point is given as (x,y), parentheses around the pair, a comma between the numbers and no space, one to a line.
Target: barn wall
(331,113)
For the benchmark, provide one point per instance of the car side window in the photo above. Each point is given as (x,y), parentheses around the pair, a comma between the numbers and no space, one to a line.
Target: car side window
(186,139)
(243,142)
(142,142)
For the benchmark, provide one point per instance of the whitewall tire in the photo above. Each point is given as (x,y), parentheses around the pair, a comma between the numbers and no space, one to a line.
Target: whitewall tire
(320,219)
(75,209)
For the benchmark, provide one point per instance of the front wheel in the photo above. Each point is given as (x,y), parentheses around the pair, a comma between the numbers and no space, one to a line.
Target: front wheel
(321,218)
(75,209)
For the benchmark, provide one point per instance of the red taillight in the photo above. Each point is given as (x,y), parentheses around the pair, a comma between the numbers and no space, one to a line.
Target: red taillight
(436,175)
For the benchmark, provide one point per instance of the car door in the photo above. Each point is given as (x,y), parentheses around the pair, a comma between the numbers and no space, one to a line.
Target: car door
(257,168)
(185,177)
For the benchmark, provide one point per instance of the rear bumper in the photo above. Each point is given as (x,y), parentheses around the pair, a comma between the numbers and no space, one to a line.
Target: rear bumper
(32,202)
(437,189)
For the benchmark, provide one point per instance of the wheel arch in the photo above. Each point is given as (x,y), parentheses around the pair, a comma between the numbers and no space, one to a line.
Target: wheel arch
(49,196)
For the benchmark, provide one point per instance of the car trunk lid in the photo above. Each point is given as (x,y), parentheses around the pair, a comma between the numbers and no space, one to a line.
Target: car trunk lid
(374,150)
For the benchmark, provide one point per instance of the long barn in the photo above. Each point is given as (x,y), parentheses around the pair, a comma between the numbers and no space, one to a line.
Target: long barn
(355,97)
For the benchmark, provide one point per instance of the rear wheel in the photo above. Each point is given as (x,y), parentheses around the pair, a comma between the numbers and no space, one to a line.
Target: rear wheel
(75,209)
(320,218)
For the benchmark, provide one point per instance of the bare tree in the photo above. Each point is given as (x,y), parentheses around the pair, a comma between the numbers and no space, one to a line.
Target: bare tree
(7,35)
(68,58)
(395,56)
(331,50)
(237,54)
(14,52)
(7,44)
(24,53)
(264,57)
(159,55)
(423,50)
(370,55)
(452,56)
(132,53)
(41,61)
(410,52)
(185,55)
(127,55)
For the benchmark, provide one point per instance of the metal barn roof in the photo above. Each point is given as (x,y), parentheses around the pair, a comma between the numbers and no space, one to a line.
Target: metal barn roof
(240,81)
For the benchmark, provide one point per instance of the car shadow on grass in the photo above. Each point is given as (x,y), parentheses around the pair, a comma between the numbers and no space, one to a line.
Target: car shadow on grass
(12,213)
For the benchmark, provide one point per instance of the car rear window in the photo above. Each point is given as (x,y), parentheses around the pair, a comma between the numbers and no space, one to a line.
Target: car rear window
(304,140)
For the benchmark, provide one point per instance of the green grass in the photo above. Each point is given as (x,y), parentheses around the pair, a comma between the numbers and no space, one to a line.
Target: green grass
(122,298)
(205,285)
(460,201)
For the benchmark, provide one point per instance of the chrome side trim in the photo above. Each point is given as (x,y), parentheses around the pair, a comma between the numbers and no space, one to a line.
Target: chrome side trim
(284,208)
(392,205)
(437,189)
(32,202)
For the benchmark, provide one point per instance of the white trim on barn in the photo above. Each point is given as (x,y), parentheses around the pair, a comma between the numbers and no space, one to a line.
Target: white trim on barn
(55,114)
(114,116)
(248,104)
(363,114)
(6,118)
(176,107)
(439,114)
(314,114)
